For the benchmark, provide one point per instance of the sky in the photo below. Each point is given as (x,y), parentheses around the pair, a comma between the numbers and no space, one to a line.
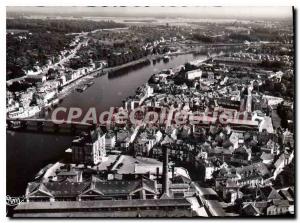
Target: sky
(194,12)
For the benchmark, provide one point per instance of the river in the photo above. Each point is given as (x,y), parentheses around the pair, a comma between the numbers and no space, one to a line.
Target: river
(27,153)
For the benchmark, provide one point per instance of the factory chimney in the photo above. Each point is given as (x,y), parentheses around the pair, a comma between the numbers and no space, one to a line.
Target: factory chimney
(165,183)
(157,173)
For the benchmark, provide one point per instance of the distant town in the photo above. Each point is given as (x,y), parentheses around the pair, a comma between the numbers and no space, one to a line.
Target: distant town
(213,104)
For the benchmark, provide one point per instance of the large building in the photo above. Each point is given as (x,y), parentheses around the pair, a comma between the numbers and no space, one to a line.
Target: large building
(89,148)
(107,208)
(160,193)
(96,189)
(191,75)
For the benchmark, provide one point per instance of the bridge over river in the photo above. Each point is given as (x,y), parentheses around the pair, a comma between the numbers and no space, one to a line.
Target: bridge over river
(47,126)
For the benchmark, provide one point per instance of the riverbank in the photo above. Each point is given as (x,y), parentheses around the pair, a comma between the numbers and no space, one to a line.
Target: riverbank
(70,88)
(133,63)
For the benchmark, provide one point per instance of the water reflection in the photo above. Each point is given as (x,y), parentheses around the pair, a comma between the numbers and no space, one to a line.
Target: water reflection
(127,70)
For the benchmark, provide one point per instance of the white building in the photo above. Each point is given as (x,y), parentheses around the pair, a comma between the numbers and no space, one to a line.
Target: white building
(110,141)
(191,75)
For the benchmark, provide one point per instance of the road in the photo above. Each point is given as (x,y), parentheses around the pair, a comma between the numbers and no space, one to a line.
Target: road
(213,207)
(249,98)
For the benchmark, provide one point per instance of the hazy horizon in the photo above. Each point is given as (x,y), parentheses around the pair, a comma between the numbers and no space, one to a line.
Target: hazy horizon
(200,12)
